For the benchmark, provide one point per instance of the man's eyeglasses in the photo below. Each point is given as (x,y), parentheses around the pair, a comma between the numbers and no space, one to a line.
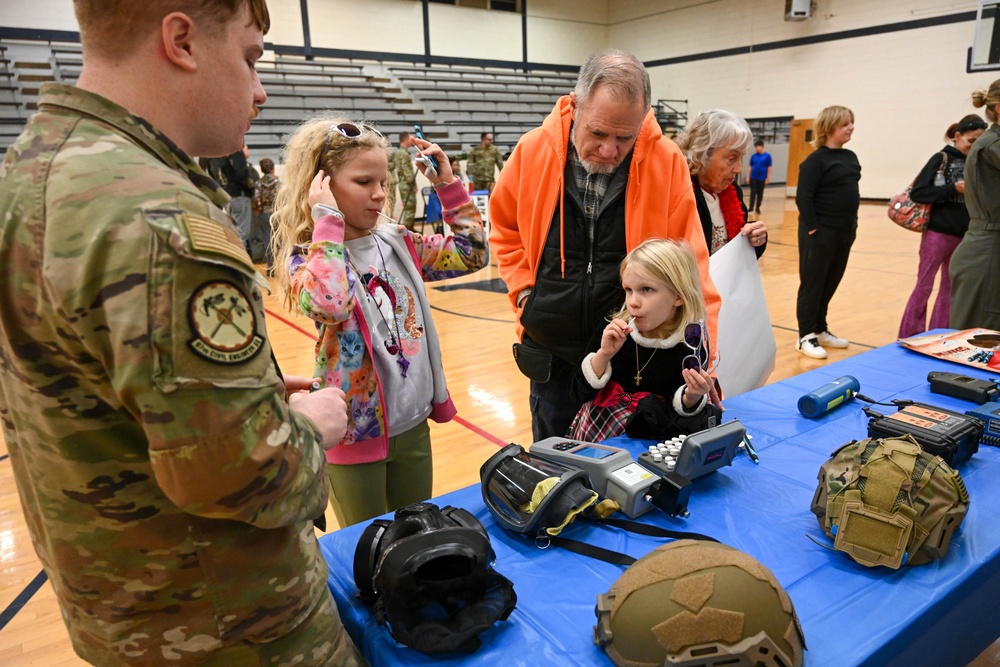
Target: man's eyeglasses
(348,130)
(694,338)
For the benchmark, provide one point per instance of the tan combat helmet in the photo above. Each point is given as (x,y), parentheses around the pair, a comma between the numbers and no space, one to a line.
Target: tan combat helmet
(695,603)
(888,502)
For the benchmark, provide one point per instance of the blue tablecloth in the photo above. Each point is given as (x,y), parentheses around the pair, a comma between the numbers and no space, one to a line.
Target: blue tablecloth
(938,614)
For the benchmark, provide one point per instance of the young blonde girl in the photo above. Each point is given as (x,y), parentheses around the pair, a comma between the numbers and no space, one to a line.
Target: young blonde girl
(362,282)
(658,385)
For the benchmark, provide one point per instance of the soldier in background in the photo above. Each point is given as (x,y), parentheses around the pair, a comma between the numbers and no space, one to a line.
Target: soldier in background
(484,163)
(401,166)
(167,472)
(263,207)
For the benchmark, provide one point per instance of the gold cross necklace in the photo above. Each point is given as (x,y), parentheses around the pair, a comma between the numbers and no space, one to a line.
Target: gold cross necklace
(638,373)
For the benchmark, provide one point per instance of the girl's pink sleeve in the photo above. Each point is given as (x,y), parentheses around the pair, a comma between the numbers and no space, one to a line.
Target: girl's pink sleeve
(463,251)
(320,281)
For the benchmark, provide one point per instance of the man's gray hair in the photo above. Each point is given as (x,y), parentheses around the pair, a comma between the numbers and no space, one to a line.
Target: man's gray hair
(711,131)
(624,75)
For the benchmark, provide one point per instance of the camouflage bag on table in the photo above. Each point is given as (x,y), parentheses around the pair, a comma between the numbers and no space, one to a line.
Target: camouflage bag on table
(888,502)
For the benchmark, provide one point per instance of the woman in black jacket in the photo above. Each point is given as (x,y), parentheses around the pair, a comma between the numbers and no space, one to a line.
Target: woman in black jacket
(940,184)
(828,197)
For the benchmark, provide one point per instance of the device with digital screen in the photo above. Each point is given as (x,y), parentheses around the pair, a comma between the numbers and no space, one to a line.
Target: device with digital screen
(614,474)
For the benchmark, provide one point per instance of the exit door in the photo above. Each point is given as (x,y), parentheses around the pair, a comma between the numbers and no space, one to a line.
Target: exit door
(799,148)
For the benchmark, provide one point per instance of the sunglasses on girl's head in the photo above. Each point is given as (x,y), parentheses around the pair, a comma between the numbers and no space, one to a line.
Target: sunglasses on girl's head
(348,130)
(694,338)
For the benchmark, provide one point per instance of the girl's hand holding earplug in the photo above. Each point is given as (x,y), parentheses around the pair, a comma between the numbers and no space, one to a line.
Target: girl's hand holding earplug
(611,341)
(697,384)
(319,191)
(614,336)
(444,174)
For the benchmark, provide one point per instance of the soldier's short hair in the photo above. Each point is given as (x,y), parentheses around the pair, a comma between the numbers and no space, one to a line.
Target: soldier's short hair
(403,136)
(624,75)
(267,165)
(113,28)
(484,135)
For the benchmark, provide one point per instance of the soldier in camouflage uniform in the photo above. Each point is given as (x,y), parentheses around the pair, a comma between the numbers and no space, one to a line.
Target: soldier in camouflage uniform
(167,483)
(401,168)
(263,207)
(484,161)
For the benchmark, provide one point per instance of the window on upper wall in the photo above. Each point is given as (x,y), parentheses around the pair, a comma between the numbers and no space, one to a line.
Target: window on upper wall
(498,5)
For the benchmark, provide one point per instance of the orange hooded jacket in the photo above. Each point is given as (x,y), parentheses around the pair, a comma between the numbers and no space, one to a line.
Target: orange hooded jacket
(659,203)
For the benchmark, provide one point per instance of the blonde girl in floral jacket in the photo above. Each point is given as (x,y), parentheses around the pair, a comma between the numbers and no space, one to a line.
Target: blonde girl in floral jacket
(362,281)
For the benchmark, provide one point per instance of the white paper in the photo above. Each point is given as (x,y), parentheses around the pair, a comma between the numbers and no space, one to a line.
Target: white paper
(746,341)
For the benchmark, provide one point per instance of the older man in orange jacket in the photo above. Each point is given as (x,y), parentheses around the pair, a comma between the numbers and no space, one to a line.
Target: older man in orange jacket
(595,180)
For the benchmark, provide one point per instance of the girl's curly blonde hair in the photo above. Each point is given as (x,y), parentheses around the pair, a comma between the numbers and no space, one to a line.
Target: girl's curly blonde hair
(292,222)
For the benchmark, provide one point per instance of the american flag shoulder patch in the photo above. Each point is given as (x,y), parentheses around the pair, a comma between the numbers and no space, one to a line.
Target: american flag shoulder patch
(209,236)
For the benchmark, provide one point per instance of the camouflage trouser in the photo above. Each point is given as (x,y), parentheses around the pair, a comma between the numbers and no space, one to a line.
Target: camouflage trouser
(319,641)
(408,195)
(484,185)
(390,194)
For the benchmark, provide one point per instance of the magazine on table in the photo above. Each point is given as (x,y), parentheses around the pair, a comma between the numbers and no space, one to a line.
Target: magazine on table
(979,348)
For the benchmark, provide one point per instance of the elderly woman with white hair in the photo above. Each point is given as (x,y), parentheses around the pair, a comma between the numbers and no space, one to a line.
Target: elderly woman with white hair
(714,143)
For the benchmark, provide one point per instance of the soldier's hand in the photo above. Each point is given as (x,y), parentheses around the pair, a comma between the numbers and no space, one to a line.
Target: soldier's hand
(294,383)
(327,408)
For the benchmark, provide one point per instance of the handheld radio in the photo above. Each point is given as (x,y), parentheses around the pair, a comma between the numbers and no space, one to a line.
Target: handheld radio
(963,386)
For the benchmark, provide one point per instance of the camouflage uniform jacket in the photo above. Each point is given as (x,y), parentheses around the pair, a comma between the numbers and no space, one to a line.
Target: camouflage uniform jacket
(401,164)
(166,485)
(267,190)
(481,162)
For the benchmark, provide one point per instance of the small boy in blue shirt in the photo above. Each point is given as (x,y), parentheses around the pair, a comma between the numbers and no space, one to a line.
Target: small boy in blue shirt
(759,175)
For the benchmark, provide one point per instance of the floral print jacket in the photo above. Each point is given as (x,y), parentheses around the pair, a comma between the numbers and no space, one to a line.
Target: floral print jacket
(326,288)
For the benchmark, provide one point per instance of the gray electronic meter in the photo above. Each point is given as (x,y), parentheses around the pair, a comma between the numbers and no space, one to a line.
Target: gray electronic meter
(614,474)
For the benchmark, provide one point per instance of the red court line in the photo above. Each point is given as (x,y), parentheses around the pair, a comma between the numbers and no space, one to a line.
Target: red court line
(464,422)
(475,429)
(271,313)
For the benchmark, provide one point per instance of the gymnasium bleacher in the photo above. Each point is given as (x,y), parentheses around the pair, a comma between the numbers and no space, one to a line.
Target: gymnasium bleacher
(452,104)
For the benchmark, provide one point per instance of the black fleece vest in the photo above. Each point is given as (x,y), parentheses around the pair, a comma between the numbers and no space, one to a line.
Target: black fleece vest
(566,314)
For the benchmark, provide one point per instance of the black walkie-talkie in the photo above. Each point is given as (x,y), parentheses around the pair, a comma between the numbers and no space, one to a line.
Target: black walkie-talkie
(963,386)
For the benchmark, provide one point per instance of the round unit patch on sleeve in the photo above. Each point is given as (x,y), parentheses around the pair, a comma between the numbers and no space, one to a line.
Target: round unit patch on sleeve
(224,324)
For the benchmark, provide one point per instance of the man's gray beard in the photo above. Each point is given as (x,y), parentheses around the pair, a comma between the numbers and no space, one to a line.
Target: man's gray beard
(591,167)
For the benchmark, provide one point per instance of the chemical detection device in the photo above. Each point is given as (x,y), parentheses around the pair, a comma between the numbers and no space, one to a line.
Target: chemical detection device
(614,474)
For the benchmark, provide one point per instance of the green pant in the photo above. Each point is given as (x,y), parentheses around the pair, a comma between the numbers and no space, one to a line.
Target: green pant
(366,490)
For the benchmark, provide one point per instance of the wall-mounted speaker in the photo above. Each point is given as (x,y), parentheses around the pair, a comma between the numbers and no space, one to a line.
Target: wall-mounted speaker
(798,10)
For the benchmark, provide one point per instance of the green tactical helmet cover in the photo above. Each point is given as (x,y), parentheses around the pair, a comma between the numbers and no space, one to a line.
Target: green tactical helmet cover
(695,603)
(888,502)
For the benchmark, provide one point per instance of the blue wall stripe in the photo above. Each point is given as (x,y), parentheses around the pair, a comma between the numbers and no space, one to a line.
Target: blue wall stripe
(818,39)
(68,36)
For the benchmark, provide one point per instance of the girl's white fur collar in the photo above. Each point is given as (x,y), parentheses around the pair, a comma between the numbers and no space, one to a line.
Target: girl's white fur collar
(662,343)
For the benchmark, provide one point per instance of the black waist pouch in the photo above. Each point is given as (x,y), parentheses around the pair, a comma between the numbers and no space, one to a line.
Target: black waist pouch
(534,361)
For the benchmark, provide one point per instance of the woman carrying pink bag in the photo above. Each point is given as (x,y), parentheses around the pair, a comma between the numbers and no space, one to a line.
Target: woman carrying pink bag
(943,187)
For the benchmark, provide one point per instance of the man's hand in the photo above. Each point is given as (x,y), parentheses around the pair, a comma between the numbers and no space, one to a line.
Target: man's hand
(294,383)
(327,408)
